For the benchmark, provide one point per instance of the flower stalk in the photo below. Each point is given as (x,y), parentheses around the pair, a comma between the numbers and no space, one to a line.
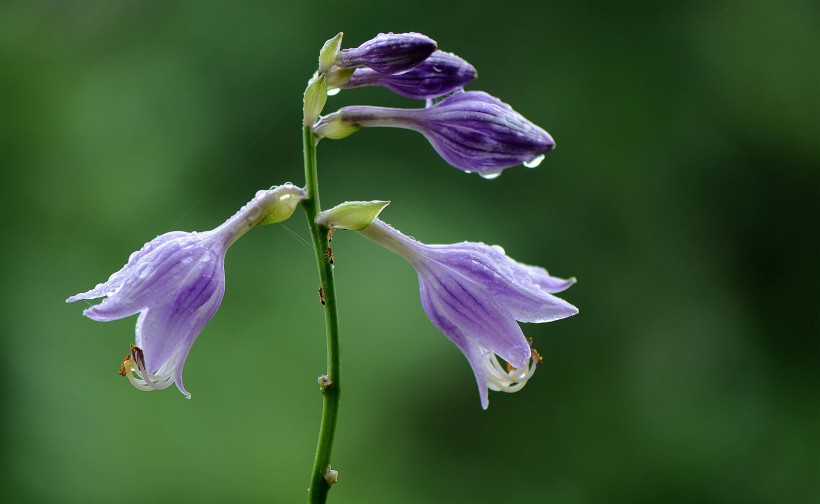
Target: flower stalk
(319,484)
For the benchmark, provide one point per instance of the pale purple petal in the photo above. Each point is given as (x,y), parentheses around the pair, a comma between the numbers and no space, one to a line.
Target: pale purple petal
(506,279)
(148,280)
(115,281)
(167,328)
(467,306)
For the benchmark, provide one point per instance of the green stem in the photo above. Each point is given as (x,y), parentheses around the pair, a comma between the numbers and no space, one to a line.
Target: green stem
(330,394)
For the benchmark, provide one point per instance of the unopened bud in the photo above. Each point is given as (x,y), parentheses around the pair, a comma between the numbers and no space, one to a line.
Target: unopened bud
(389,52)
(335,127)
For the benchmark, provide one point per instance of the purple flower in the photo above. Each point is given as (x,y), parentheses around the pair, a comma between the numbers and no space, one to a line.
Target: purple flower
(472,131)
(474,293)
(438,75)
(176,282)
(388,52)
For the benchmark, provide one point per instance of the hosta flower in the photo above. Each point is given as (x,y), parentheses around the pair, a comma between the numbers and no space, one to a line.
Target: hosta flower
(472,131)
(474,293)
(440,74)
(176,282)
(388,52)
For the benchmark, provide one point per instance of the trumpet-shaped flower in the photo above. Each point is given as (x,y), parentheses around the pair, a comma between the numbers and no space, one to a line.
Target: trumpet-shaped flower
(440,74)
(388,52)
(176,282)
(474,293)
(472,131)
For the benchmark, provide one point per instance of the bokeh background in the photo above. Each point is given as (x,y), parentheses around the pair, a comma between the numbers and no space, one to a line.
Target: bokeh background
(683,195)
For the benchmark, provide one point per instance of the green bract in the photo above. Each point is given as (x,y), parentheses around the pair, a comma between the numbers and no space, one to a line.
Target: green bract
(351,215)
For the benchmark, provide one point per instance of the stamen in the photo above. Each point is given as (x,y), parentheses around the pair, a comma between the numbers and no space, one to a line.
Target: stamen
(133,367)
(510,379)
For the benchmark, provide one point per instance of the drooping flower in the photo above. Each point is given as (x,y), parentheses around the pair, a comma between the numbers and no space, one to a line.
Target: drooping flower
(474,293)
(440,74)
(176,282)
(388,52)
(472,131)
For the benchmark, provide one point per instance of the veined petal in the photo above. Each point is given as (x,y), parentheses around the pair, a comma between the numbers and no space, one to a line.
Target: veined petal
(542,278)
(151,280)
(118,278)
(517,286)
(167,327)
(484,320)
(471,350)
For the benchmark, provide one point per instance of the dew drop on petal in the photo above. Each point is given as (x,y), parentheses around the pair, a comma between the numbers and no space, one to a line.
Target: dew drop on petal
(253,214)
(490,175)
(143,270)
(532,163)
(333,92)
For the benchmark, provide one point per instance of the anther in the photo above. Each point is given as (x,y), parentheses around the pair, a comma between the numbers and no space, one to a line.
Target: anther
(125,365)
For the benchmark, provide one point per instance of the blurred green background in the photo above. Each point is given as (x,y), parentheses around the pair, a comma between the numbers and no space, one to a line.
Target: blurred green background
(683,195)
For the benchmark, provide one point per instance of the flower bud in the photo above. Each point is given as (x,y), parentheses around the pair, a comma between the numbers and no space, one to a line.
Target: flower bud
(472,131)
(351,215)
(389,52)
(334,126)
(438,75)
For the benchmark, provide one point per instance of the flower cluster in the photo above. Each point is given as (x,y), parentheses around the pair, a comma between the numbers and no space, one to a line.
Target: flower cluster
(473,293)
(472,131)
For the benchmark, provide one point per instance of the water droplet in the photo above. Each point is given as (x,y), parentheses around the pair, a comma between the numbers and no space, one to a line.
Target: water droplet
(532,163)
(187,257)
(333,92)
(143,270)
(253,214)
(467,171)
(437,68)
(490,175)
